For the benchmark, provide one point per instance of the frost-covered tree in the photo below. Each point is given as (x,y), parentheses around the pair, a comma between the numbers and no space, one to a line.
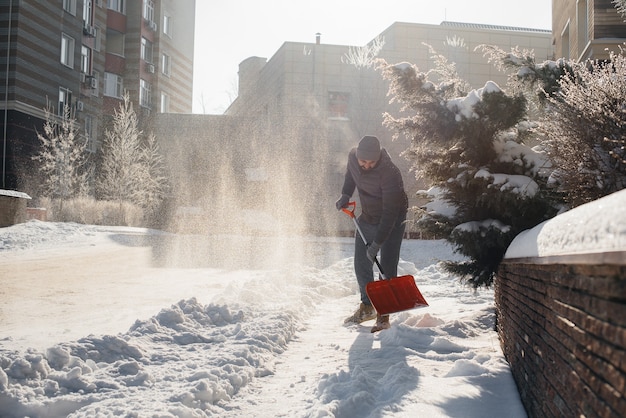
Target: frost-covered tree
(584,122)
(487,184)
(526,75)
(131,169)
(62,158)
(120,174)
(156,185)
(585,128)
(620,5)
(364,56)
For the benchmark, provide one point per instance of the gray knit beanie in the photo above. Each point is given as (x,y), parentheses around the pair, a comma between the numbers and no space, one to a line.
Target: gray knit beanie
(368,149)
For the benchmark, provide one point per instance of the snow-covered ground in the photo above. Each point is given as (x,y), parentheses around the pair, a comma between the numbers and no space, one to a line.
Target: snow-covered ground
(107,322)
(101,321)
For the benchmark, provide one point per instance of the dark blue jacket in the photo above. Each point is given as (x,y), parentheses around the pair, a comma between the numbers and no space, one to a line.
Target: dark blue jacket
(381,191)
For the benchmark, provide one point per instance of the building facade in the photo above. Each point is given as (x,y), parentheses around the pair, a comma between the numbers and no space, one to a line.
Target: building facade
(586,29)
(82,56)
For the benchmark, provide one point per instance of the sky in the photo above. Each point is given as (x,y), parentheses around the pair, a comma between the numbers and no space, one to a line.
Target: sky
(87,330)
(228,32)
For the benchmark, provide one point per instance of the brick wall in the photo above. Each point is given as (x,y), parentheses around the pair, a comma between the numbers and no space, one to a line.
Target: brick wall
(562,327)
(12,210)
(40,214)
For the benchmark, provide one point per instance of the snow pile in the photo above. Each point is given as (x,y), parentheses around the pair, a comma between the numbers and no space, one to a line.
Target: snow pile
(51,235)
(40,233)
(214,352)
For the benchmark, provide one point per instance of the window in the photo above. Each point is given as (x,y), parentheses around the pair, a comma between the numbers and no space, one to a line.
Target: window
(167,25)
(146,50)
(70,6)
(166,64)
(85,59)
(87,12)
(338,104)
(145,93)
(65,99)
(98,43)
(113,85)
(115,42)
(117,5)
(165,103)
(67,50)
(148,10)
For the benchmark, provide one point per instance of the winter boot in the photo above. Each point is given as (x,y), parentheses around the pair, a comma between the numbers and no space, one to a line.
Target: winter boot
(382,322)
(364,313)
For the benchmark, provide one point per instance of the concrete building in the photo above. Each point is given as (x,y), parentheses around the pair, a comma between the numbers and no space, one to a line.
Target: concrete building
(586,29)
(83,55)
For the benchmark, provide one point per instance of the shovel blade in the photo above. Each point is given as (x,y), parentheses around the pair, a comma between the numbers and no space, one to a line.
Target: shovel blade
(395,295)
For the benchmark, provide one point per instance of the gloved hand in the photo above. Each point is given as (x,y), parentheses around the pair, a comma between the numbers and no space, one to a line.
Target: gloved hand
(342,202)
(372,251)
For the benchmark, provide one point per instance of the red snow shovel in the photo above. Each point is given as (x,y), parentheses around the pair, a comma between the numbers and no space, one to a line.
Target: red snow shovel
(392,295)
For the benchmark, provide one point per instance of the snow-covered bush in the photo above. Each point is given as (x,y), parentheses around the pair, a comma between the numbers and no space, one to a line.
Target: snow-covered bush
(469,146)
(583,120)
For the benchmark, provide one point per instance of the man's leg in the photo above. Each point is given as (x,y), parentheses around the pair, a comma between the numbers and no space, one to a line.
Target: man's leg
(364,275)
(362,264)
(390,250)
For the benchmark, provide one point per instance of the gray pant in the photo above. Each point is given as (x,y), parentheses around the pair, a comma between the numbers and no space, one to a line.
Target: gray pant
(389,254)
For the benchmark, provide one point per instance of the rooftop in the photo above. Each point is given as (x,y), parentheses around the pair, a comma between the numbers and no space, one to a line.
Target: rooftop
(493,27)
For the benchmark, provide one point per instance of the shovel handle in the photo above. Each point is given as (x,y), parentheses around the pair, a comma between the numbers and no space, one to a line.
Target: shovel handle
(350,212)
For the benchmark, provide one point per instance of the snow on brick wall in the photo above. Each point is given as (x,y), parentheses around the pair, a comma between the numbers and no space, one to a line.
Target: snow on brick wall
(562,327)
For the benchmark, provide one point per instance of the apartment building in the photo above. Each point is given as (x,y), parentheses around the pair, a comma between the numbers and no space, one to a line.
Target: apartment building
(83,55)
(586,29)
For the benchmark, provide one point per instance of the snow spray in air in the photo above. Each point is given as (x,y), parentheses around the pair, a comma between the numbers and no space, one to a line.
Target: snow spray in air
(245,190)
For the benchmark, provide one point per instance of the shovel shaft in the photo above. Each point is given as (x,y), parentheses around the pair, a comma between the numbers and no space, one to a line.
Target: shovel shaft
(350,213)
